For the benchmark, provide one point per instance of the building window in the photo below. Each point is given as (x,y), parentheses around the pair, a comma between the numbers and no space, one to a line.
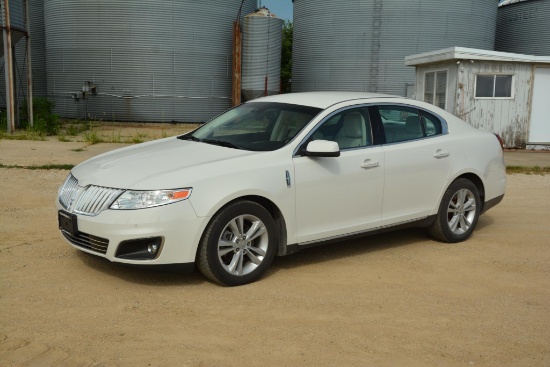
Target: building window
(494,86)
(435,88)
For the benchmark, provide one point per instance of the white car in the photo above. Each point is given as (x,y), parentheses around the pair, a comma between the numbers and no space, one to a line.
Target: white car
(279,174)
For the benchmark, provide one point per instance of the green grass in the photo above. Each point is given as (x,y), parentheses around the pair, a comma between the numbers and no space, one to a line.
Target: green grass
(114,138)
(92,137)
(75,128)
(534,170)
(63,138)
(138,138)
(24,135)
(43,166)
(135,140)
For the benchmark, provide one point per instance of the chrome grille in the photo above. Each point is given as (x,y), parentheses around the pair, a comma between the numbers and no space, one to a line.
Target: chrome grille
(68,191)
(87,241)
(95,199)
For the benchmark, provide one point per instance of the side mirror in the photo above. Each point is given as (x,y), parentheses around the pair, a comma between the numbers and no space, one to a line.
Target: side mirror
(323,148)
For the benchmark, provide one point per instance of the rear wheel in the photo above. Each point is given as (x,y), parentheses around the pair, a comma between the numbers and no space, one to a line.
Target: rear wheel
(458,212)
(238,245)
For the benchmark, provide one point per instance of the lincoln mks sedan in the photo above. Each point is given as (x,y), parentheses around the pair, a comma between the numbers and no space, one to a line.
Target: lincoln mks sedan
(280,174)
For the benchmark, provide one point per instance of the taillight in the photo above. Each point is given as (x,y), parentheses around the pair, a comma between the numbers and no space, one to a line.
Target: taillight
(500,141)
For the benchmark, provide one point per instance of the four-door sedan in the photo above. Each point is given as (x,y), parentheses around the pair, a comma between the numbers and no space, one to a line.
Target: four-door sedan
(279,174)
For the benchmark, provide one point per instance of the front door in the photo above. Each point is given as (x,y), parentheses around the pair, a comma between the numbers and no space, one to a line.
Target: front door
(340,195)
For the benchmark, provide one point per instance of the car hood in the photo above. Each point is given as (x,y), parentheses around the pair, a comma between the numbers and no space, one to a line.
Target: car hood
(148,165)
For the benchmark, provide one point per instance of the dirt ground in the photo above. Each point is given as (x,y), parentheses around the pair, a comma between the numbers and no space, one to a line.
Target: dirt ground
(397,299)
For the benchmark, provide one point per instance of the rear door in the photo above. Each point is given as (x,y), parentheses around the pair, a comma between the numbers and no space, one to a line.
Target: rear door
(417,162)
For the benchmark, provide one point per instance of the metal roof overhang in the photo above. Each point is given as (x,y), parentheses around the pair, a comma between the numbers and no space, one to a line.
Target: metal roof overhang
(463,53)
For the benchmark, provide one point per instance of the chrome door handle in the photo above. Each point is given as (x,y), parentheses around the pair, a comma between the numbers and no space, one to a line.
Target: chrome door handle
(368,164)
(441,154)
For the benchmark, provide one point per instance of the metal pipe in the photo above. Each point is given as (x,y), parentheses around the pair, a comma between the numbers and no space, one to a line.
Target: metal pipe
(237,63)
(15,90)
(8,57)
(30,110)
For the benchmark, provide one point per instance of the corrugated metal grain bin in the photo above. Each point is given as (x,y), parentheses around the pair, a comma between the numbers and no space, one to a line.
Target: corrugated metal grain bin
(156,61)
(17,19)
(360,45)
(38,54)
(524,27)
(261,58)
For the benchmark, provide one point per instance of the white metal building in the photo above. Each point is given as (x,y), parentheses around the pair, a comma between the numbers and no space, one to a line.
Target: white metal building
(504,93)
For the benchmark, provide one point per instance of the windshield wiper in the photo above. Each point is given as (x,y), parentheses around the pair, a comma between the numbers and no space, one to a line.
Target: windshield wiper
(189,137)
(221,143)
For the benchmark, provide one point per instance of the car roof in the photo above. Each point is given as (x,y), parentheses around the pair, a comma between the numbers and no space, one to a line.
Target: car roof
(321,99)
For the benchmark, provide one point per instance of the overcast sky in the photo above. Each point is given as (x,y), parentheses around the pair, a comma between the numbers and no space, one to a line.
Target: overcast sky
(282,8)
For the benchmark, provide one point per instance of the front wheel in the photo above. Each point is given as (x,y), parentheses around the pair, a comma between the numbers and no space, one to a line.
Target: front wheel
(238,245)
(458,212)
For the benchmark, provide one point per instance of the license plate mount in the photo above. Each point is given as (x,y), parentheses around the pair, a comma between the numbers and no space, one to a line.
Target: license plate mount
(68,222)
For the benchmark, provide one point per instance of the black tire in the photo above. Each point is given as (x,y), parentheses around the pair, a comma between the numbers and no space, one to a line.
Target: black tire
(238,261)
(456,218)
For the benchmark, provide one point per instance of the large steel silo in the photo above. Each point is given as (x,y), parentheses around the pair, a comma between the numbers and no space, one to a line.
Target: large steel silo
(360,45)
(162,60)
(524,27)
(261,57)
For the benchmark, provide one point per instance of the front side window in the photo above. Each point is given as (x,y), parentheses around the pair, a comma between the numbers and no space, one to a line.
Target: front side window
(256,126)
(494,86)
(435,88)
(402,123)
(349,128)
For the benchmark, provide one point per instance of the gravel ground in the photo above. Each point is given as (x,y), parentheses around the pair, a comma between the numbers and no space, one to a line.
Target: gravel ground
(398,299)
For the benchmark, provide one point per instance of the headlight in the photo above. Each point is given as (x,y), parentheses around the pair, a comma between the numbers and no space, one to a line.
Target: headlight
(147,199)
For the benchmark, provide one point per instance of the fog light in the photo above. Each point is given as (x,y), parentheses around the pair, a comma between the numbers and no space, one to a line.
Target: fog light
(140,249)
(152,248)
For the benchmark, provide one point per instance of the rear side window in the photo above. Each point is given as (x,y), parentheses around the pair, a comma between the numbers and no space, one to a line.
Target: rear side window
(403,123)
(432,125)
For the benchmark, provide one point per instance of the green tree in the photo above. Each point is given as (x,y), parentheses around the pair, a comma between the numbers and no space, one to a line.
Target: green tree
(286,57)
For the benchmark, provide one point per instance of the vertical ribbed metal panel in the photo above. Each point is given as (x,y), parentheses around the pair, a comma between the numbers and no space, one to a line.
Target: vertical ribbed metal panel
(166,60)
(38,48)
(360,45)
(524,28)
(261,57)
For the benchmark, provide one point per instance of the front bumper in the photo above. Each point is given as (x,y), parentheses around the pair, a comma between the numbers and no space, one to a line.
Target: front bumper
(177,224)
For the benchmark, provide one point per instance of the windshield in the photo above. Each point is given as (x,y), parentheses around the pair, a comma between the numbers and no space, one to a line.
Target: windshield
(256,126)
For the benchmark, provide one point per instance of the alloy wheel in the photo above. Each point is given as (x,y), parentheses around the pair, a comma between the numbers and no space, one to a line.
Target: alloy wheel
(461,211)
(243,245)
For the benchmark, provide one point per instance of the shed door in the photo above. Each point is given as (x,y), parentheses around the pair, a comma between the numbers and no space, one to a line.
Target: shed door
(539,131)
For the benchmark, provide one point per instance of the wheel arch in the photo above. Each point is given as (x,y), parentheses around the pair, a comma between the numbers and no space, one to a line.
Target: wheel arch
(274,211)
(441,228)
(477,181)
